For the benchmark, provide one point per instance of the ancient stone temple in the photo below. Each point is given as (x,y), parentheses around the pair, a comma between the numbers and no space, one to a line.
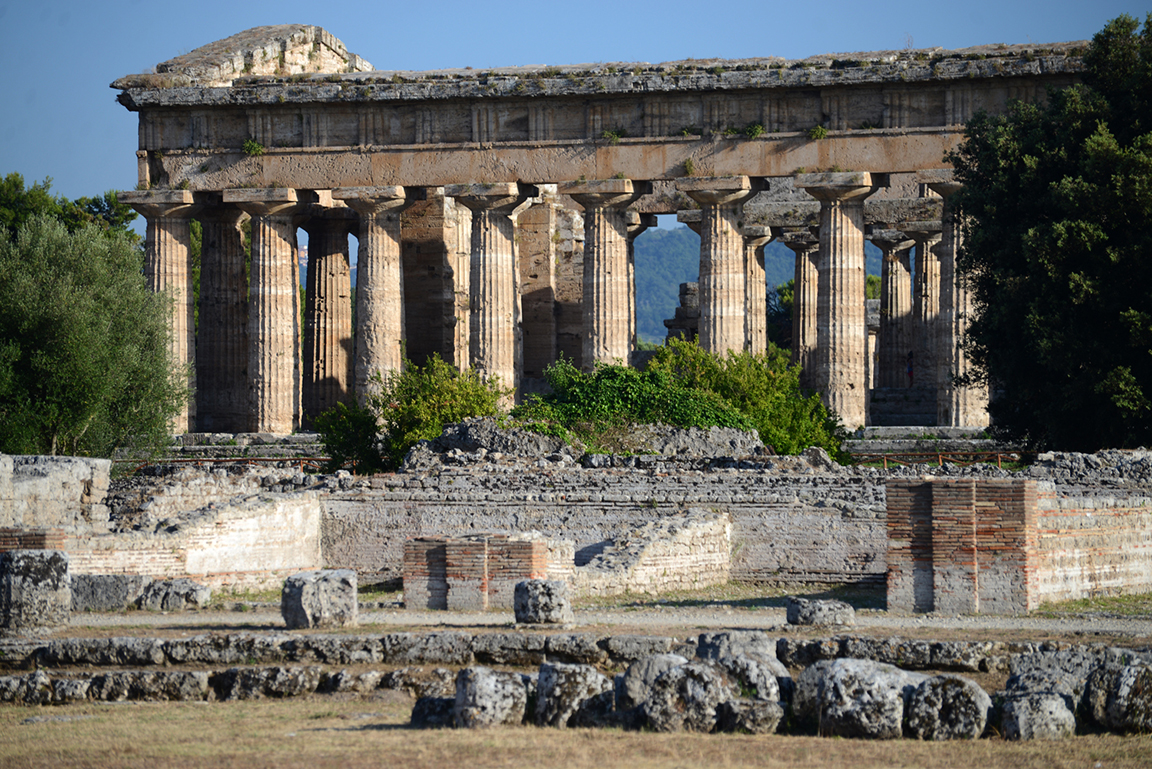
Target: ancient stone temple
(495,213)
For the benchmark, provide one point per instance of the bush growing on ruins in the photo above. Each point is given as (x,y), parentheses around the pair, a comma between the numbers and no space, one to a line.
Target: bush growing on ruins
(84,360)
(594,406)
(1057,239)
(764,387)
(406,406)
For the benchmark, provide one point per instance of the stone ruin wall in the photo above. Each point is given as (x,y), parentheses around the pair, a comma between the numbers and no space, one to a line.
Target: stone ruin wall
(53,492)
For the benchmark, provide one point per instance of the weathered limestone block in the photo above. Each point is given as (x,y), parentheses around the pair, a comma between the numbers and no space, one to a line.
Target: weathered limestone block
(447,648)
(1037,716)
(580,648)
(433,713)
(1120,698)
(808,692)
(572,695)
(256,683)
(759,677)
(688,698)
(150,685)
(948,707)
(35,590)
(805,611)
(106,592)
(485,697)
(174,595)
(419,682)
(634,686)
(508,648)
(543,601)
(861,698)
(749,716)
(713,646)
(320,599)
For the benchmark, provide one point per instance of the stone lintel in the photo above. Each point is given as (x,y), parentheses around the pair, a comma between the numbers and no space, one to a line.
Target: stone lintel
(156,197)
(608,187)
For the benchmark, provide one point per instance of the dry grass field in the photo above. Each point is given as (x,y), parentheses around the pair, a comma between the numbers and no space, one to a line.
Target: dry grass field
(326,731)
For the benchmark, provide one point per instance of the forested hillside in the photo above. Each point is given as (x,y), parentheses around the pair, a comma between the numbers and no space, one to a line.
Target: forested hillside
(666,258)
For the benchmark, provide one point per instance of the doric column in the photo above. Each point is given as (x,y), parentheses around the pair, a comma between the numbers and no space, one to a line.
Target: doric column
(606,333)
(494,296)
(925,301)
(167,269)
(841,327)
(637,224)
(955,406)
(722,277)
(755,288)
(805,281)
(895,307)
(327,351)
(222,337)
(379,281)
(273,309)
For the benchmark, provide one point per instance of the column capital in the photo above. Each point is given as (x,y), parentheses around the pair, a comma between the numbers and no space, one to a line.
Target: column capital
(179,204)
(638,223)
(942,181)
(890,240)
(499,197)
(840,185)
(690,217)
(271,201)
(799,241)
(605,193)
(720,190)
(923,232)
(370,201)
(757,235)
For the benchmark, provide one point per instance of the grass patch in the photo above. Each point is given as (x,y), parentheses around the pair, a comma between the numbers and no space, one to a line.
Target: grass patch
(1120,605)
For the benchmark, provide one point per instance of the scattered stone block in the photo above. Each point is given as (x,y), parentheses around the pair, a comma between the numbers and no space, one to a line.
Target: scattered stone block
(107,592)
(688,698)
(948,707)
(805,611)
(636,683)
(756,676)
(572,695)
(175,595)
(35,590)
(485,698)
(861,698)
(1120,698)
(1037,716)
(433,713)
(314,599)
(749,716)
(543,601)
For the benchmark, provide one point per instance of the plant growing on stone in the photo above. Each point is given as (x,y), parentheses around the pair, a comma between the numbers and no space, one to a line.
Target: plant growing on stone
(817,132)
(253,148)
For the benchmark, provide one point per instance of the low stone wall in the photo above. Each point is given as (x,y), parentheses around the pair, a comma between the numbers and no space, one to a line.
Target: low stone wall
(41,492)
(249,543)
(790,526)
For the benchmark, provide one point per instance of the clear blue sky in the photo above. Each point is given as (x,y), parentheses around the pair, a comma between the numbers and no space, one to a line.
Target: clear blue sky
(58,116)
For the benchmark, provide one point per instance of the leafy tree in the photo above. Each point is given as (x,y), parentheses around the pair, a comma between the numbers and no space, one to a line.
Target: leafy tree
(84,359)
(1057,201)
(18,205)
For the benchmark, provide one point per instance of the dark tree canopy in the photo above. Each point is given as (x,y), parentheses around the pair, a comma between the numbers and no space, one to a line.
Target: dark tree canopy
(84,359)
(1058,252)
(18,205)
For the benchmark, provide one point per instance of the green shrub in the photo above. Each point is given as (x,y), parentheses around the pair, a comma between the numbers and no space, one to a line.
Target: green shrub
(596,407)
(349,434)
(764,387)
(416,403)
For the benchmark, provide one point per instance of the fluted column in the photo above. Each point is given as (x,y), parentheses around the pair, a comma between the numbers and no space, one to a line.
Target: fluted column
(722,276)
(167,270)
(895,306)
(327,352)
(955,406)
(606,332)
(755,288)
(637,224)
(925,301)
(494,296)
(805,283)
(379,281)
(841,326)
(273,309)
(222,337)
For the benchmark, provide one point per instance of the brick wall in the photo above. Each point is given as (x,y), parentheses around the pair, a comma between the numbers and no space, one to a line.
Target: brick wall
(472,573)
(24,539)
(1007,546)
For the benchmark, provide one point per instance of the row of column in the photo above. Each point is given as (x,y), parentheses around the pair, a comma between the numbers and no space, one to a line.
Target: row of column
(249,363)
